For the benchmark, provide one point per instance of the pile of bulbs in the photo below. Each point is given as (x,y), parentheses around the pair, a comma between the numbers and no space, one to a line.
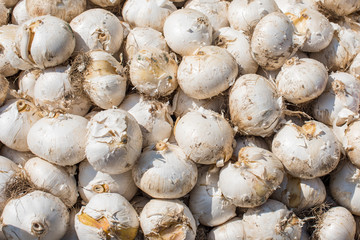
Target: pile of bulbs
(159,119)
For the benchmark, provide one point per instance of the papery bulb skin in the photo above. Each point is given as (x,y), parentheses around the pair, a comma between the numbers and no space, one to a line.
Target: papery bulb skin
(114,141)
(165,172)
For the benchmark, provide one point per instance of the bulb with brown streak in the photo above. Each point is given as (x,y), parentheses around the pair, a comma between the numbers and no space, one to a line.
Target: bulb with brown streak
(107,216)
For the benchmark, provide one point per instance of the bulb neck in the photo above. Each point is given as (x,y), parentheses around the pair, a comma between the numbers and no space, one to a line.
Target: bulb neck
(38,228)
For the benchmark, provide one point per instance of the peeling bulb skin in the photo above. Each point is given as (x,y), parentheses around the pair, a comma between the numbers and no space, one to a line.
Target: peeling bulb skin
(167,220)
(114,141)
(307,151)
(16,119)
(45,41)
(244,15)
(337,223)
(208,72)
(153,117)
(238,44)
(147,13)
(255,106)
(300,194)
(65,139)
(141,37)
(97,29)
(92,182)
(344,186)
(211,137)
(7,169)
(207,203)
(215,10)
(342,95)
(105,80)
(312,24)
(186,30)
(45,217)
(107,216)
(153,72)
(52,178)
(232,229)
(270,46)
(165,172)
(263,169)
(65,10)
(53,92)
(271,220)
(301,80)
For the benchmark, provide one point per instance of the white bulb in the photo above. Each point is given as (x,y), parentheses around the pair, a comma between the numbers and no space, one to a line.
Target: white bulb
(244,15)
(54,179)
(54,91)
(233,229)
(147,13)
(43,217)
(270,46)
(166,219)
(92,182)
(208,72)
(336,223)
(141,37)
(271,220)
(312,24)
(153,117)
(97,29)
(342,94)
(215,10)
(186,30)
(19,14)
(35,41)
(106,216)
(255,106)
(104,79)
(65,10)
(165,172)
(238,44)
(250,180)
(114,141)
(211,137)
(60,139)
(16,119)
(300,194)
(307,151)
(207,203)
(301,80)
(153,72)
